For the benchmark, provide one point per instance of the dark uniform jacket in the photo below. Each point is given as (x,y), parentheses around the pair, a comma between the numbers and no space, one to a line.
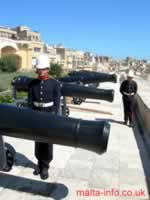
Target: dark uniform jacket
(128,88)
(44,91)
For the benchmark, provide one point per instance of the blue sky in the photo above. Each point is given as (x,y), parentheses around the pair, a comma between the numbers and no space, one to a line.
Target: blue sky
(116,28)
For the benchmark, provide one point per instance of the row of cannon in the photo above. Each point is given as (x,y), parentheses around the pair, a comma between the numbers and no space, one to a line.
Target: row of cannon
(73,86)
(22,122)
(89,79)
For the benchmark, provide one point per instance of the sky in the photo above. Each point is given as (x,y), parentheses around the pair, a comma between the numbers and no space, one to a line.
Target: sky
(116,28)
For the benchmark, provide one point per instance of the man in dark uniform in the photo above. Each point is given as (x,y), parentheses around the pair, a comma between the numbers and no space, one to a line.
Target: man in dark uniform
(44,95)
(128,90)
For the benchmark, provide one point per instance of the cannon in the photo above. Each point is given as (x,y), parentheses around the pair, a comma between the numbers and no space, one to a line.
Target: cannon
(80,93)
(74,73)
(44,127)
(95,84)
(86,92)
(21,83)
(90,77)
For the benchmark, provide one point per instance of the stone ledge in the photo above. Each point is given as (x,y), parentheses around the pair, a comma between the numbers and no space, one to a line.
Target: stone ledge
(142,114)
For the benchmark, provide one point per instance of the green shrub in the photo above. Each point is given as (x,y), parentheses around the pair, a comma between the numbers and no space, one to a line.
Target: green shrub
(6,99)
(56,70)
(8,63)
(3,86)
(21,95)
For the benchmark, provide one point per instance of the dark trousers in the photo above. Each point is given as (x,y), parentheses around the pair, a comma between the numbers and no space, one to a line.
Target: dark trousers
(44,151)
(44,154)
(128,104)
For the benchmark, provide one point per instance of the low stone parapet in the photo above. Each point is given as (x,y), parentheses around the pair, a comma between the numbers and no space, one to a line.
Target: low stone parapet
(142,110)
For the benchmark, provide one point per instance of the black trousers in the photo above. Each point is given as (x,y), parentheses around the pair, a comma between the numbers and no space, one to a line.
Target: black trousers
(44,151)
(128,104)
(44,154)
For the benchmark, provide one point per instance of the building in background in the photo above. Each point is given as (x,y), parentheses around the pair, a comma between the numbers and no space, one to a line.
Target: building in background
(25,44)
(10,44)
(52,53)
(61,52)
(33,38)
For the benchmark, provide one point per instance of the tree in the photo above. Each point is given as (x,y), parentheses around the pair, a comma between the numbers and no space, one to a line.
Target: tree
(56,70)
(8,63)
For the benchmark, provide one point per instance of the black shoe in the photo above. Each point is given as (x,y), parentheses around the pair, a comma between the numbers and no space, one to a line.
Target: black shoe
(36,171)
(44,173)
(7,168)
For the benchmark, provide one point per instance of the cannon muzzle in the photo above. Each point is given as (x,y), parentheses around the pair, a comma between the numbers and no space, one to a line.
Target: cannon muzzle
(45,127)
(93,77)
(72,90)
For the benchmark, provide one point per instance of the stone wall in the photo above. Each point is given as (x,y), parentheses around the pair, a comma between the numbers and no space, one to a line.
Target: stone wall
(142,115)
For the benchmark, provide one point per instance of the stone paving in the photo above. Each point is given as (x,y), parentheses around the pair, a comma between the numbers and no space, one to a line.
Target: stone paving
(75,174)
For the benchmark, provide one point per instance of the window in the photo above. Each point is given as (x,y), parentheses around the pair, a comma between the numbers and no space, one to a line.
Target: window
(36,49)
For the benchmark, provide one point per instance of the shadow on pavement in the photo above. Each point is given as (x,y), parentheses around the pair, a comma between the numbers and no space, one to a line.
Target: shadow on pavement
(56,191)
(109,120)
(22,160)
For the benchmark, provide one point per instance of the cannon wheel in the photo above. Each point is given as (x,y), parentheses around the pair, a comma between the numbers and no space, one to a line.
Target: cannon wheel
(83,99)
(77,100)
(65,111)
(19,105)
(10,156)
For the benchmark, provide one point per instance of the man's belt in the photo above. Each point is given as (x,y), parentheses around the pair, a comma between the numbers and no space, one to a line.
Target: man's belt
(129,94)
(43,105)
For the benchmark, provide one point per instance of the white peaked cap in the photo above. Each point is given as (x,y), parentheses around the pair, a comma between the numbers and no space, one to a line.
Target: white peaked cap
(130,73)
(42,62)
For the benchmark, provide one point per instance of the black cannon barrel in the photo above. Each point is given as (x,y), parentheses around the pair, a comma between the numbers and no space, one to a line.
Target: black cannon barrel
(87,92)
(93,77)
(84,72)
(44,127)
(74,73)
(21,83)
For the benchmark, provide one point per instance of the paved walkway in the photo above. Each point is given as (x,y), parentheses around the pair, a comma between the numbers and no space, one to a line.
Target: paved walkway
(125,165)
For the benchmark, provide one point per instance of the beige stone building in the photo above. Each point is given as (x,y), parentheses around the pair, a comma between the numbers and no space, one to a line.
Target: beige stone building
(53,56)
(72,59)
(25,44)
(61,51)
